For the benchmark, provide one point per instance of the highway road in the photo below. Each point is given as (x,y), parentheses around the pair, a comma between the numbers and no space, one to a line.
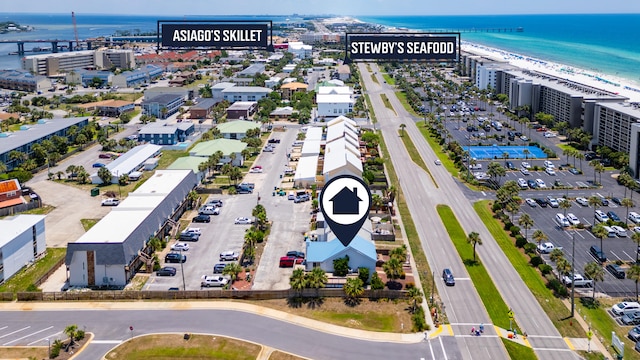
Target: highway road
(35,327)
(422,196)
(462,303)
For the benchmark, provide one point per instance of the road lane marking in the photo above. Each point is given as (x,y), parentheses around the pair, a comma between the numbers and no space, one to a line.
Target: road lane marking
(444,352)
(52,336)
(614,254)
(569,344)
(11,333)
(433,356)
(26,336)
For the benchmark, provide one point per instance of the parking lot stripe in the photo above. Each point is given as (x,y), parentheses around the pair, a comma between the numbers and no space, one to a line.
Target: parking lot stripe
(614,254)
(26,336)
(17,331)
(52,336)
(4,327)
(629,256)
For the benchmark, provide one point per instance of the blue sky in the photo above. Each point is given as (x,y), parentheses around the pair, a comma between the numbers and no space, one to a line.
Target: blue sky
(321,7)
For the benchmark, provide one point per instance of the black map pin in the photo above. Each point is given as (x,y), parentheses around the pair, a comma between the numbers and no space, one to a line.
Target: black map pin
(345,201)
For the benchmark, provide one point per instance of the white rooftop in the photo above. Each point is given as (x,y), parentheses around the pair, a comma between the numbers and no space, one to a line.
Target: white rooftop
(310,147)
(333,99)
(314,133)
(306,168)
(16,225)
(133,158)
(334,90)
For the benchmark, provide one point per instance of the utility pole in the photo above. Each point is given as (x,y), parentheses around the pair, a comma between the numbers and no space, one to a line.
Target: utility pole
(573,274)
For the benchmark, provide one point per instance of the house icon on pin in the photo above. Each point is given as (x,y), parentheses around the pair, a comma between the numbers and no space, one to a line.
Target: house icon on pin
(346,202)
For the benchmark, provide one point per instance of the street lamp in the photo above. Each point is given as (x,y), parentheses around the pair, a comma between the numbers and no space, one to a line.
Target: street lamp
(49,352)
(573,270)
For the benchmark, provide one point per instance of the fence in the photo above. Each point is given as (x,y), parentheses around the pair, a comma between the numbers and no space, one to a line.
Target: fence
(17,209)
(194,295)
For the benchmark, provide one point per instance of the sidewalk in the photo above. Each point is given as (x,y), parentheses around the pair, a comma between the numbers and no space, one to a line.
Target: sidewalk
(595,344)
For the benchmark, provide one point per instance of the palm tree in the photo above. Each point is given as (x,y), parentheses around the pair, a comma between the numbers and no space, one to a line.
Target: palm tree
(317,279)
(595,202)
(232,269)
(594,272)
(556,254)
(538,236)
(353,288)
(635,236)
(71,331)
(634,274)
(393,268)
(474,239)
(526,153)
(402,127)
(376,201)
(626,202)
(526,222)
(154,244)
(298,280)
(564,205)
(563,266)
(600,232)
(599,168)
(415,296)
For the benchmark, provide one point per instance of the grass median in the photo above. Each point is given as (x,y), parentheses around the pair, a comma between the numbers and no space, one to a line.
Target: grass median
(387,103)
(414,155)
(489,294)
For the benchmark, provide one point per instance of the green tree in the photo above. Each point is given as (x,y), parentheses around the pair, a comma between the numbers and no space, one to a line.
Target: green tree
(634,274)
(155,244)
(376,282)
(341,266)
(556,254)
(594,201)
(563,266)
(402,127)
(414,295)
(627,203)
(70,331)
(600,232)
(105,175)
(635,236)
(317,279)
(393,268)
(298,280)
(564,204)
(232,269)
(376,201)
(353,289)
(539,236)
(526,222)
(496,171)
(595,272)
(474,239)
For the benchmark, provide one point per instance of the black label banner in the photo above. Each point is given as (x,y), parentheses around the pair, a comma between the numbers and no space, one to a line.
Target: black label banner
(418,46)
(214,36)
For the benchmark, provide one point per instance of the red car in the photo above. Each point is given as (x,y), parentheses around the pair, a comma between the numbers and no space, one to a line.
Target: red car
(289,261)
(104,156)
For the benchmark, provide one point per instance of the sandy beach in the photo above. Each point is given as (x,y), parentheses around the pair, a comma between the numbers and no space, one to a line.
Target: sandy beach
(609,83)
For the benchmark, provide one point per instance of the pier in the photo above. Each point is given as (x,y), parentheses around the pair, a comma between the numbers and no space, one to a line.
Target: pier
(480,30)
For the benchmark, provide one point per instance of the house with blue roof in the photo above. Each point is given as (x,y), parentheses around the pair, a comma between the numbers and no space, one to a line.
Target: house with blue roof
(361,252)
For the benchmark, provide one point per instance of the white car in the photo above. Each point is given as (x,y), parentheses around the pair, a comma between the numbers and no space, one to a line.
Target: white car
(548,164)
(549,134)
(582,201)
(573,219)
(256,169)
(531,202)
(229,256)
(522,183)
(438,162)
(524,138)
(110,202)
(541,184)
(209,210)
(243,221)
(620,231)
(213,280)
(526,165)
(524,171)
(180,246)
(192,230)
(550,171)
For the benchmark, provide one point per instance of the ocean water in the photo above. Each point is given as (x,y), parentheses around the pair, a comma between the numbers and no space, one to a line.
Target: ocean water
(602,43)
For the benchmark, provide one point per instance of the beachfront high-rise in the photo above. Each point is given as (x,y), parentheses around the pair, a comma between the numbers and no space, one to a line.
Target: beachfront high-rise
(611,119)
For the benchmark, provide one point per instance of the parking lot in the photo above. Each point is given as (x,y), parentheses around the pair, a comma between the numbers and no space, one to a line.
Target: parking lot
(615,248)
(289,223)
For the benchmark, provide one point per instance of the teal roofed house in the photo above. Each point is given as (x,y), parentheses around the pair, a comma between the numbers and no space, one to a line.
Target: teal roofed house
(226,146)
(236,129)
(189,163)
(361,252)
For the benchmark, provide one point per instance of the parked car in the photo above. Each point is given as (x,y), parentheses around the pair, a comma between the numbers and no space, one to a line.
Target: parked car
(243,221)
(213,281)
(215,202)
(268,148)
(229,256)
(243,190)
(289,261)
(573,219)
(110,202)
(541,202)
(604,201)
(192,230)
(302,198)
(616,271)
(256,169)
(525,165)
(531,202)
(202,218)
(616,201)
(532,184)
(548,164)
(217,268)
(525,171)
(523,183)
(582,201)
(541,183)
(625,307)
(189,237)
(631,319)
(104,156)
(509,165)
(613,216)
(166,271)
(634,334)
(550,171)
(294,253)
(98,165)
(601,216)
(175,258)
(598,254)
(209,210)
(634,216)
(619,230)
(553,202)
(180,247)
(274,141)
(574,171)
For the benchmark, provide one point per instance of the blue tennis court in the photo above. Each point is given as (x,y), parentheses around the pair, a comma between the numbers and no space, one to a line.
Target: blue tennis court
(497,152)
